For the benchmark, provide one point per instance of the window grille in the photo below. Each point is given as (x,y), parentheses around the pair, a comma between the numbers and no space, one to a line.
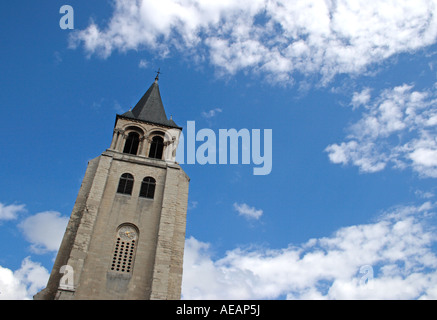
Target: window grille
(124,251)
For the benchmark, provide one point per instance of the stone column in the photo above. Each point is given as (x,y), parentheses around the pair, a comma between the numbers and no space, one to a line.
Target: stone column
(121,138)
(142,146)
(114,139)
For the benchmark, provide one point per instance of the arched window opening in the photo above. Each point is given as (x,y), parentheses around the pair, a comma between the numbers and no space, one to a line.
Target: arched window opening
(126,184)
(132,143)
(148,188)
(123,256)
(156,148)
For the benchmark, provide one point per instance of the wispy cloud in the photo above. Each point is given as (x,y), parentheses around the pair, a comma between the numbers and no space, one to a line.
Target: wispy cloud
(246,211)
(275,38)
(361,98)
(424,194)
(398,128)
(143,64)
(10,212)
(390,258)
(211,113)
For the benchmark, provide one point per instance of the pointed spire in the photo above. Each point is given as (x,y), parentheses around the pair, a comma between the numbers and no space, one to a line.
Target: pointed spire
(150,107)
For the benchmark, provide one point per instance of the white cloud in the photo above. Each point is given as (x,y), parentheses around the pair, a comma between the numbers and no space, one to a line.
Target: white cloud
(24,282)
(44,230)
(396,128)
(248,212)
(424,157)
(424,194)
(390,258)
(10,212)
(361,98)
(143,64)
(274,37)
(211,113)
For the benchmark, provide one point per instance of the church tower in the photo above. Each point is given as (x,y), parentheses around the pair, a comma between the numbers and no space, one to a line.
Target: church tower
(126,234)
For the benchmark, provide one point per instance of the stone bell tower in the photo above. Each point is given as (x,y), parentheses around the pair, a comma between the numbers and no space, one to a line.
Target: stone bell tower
(126,234)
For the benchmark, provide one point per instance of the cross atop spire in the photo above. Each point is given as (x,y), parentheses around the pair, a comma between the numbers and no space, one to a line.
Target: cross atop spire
(157,75)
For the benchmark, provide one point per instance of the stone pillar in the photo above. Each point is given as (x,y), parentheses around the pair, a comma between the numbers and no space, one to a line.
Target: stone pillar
(120,141)
(142,147)
(114,139)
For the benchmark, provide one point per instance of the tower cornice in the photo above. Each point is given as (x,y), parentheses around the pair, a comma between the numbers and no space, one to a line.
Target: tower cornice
(120,116)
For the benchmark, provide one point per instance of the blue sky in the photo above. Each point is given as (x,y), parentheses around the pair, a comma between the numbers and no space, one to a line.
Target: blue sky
(348,89)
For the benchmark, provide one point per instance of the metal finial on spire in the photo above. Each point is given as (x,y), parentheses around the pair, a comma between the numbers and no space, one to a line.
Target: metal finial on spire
(157,75)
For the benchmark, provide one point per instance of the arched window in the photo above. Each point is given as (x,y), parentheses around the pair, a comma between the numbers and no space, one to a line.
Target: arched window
(126,184)
(123,256)
(156,147)
(132,142)
(148,188)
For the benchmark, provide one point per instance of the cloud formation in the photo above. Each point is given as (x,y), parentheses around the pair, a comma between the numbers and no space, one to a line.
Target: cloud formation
(10,212)
(398,128)
(23,283)
(277,38)
(211,113)
(390,258)
(245,210)
(44,230)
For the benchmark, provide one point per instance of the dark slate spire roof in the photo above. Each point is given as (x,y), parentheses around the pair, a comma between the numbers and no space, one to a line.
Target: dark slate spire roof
(150,108)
